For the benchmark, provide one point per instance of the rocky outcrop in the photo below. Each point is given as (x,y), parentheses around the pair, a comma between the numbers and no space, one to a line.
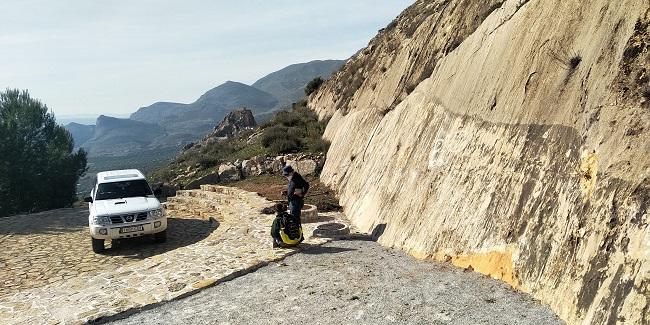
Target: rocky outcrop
(234,123)
(511,137)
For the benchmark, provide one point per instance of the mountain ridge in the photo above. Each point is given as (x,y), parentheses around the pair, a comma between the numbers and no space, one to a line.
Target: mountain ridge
(182,123)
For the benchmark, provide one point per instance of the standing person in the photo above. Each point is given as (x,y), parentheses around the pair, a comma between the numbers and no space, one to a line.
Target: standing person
(296,190)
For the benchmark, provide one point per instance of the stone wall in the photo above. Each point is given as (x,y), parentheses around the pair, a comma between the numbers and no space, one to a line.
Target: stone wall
(524,155)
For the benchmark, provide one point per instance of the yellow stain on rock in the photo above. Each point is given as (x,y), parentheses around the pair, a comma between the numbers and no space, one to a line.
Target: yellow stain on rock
(496,264)
(588,173)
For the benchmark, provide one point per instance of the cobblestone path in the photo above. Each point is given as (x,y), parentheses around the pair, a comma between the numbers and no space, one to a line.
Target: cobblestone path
(50,275)
(53,246)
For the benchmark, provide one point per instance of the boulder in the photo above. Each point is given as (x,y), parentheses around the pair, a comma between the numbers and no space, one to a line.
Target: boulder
(250,168)
(304,167)
(229,172)
(212,178)
(273,166)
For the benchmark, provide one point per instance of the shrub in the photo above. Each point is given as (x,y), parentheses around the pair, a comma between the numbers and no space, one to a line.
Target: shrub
(273,133)
(285,145)
(313,85)
(320,145)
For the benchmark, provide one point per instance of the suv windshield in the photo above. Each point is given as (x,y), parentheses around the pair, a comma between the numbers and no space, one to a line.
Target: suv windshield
(119,190)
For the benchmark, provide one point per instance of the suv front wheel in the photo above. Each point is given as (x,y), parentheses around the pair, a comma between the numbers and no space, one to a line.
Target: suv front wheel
(98,245)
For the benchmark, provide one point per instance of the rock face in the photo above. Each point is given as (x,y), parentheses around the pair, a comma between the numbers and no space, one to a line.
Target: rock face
(235,122)
(510,136)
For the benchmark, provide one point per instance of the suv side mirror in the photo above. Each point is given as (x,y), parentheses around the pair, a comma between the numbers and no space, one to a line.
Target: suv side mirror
(88,199)
(157,192)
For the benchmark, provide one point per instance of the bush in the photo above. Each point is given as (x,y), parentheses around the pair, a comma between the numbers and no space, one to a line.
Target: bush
(320,145)
(285,145)
(38,169)
(313,85)
(280,139)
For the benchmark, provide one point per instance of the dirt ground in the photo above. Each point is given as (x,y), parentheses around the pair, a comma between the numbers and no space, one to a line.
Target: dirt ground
(271,187)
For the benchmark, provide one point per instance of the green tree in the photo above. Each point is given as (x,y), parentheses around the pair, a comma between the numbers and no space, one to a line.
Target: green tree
(313,85)
(38,168)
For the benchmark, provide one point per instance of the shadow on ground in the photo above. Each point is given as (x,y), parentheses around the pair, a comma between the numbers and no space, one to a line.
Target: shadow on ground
(319,249)
(180,233)
(320,219)
(49,222)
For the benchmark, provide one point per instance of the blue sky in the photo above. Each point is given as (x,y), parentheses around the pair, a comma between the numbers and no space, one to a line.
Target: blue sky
(87,57)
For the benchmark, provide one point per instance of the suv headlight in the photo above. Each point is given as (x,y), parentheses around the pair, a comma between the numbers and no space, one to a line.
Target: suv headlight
(157,214)
(101,220)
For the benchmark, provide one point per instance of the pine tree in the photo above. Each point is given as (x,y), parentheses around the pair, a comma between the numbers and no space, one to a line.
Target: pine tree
(38,168)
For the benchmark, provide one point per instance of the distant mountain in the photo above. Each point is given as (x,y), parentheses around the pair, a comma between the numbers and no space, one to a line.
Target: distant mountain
(164,125)
(157,112)
(80,132)
(199,117)
(288,84)
(115,136)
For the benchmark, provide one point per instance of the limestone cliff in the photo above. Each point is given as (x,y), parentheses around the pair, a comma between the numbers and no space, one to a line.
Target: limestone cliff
(512,137)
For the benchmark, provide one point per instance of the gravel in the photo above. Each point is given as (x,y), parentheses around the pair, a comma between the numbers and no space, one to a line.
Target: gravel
(353,282)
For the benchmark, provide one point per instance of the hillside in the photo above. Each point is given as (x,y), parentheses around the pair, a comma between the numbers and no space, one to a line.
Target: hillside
(294,131)
(288,84)
(157,112)
(200,117)
(80,132)
(115,137)
(506,136)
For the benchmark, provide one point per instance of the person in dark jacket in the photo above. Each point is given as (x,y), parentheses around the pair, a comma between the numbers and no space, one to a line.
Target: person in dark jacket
(296,190)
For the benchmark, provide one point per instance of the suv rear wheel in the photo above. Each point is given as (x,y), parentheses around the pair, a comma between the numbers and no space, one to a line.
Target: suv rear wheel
(98,245)
(160,237)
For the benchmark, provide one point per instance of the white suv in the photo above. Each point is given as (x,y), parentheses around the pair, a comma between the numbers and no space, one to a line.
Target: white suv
(122,205)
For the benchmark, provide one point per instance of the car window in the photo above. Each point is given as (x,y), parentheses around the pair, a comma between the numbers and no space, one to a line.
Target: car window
(119,190)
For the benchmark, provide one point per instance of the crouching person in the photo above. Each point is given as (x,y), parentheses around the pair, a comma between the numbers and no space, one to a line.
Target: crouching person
(286,229)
